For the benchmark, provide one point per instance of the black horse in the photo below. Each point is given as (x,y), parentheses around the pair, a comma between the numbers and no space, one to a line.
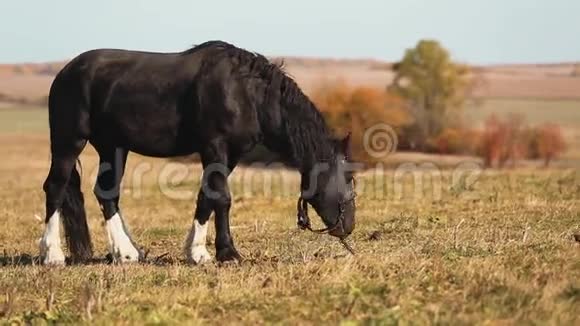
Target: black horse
(214,99)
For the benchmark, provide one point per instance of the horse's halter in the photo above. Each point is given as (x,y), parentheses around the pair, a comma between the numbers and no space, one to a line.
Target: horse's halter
(304,220)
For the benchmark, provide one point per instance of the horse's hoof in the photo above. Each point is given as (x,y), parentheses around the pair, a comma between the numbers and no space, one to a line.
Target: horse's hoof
(199,255)
(51,255)
(228,254)
(54,257)
(127,257)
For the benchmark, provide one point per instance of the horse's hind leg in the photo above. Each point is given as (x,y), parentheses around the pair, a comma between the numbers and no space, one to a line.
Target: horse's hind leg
(64,200)
(107,190)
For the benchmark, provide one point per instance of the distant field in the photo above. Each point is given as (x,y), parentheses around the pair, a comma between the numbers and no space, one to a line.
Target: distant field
(565,113)
(31,82)
(23,119)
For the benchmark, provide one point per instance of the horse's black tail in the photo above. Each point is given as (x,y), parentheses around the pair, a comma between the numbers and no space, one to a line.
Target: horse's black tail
(74,219)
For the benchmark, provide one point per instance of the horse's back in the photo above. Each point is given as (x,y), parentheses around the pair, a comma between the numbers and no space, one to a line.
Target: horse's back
(126,99)
(156,104)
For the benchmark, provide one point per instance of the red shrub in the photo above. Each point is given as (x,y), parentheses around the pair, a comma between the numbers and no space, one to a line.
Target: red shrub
(550,142)
(509,140)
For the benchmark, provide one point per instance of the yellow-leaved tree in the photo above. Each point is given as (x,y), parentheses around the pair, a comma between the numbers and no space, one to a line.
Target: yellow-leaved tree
(433,85)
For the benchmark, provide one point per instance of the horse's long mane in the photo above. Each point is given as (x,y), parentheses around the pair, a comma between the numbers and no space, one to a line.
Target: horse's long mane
(305,130)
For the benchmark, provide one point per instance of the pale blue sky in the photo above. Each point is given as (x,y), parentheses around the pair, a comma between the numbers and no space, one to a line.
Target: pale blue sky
(482,31)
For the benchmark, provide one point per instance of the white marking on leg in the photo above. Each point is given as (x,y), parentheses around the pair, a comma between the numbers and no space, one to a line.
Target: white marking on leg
(120,244)
(50,248)
(195,249)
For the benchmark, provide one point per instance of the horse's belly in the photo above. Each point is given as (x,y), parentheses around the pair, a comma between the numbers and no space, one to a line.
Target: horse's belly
(162,152)
(155,137)
(160,145)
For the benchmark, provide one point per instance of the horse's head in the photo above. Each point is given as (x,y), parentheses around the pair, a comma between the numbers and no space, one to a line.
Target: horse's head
(329,188)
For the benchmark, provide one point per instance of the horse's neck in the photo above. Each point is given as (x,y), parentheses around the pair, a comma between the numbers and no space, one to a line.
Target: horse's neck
(301,137)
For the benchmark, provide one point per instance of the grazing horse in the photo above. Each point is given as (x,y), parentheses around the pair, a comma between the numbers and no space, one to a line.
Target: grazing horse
(214,99)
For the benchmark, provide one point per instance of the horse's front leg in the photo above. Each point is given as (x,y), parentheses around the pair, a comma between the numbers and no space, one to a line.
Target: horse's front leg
(224,243)
(213,196)
(195,249)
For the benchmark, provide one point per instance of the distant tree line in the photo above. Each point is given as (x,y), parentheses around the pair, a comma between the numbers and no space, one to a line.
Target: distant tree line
(424,105)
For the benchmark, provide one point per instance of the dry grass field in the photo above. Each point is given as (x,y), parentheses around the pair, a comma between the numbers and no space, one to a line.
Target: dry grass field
(498,249)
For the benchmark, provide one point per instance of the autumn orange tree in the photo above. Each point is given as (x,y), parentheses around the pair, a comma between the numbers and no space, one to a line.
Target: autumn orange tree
(355,109)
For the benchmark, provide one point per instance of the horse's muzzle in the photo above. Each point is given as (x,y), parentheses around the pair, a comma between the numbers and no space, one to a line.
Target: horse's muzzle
(346,221)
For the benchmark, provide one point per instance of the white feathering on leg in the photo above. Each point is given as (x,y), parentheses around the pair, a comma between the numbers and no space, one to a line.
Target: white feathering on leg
(195,249)
(120,244)
(50,248)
